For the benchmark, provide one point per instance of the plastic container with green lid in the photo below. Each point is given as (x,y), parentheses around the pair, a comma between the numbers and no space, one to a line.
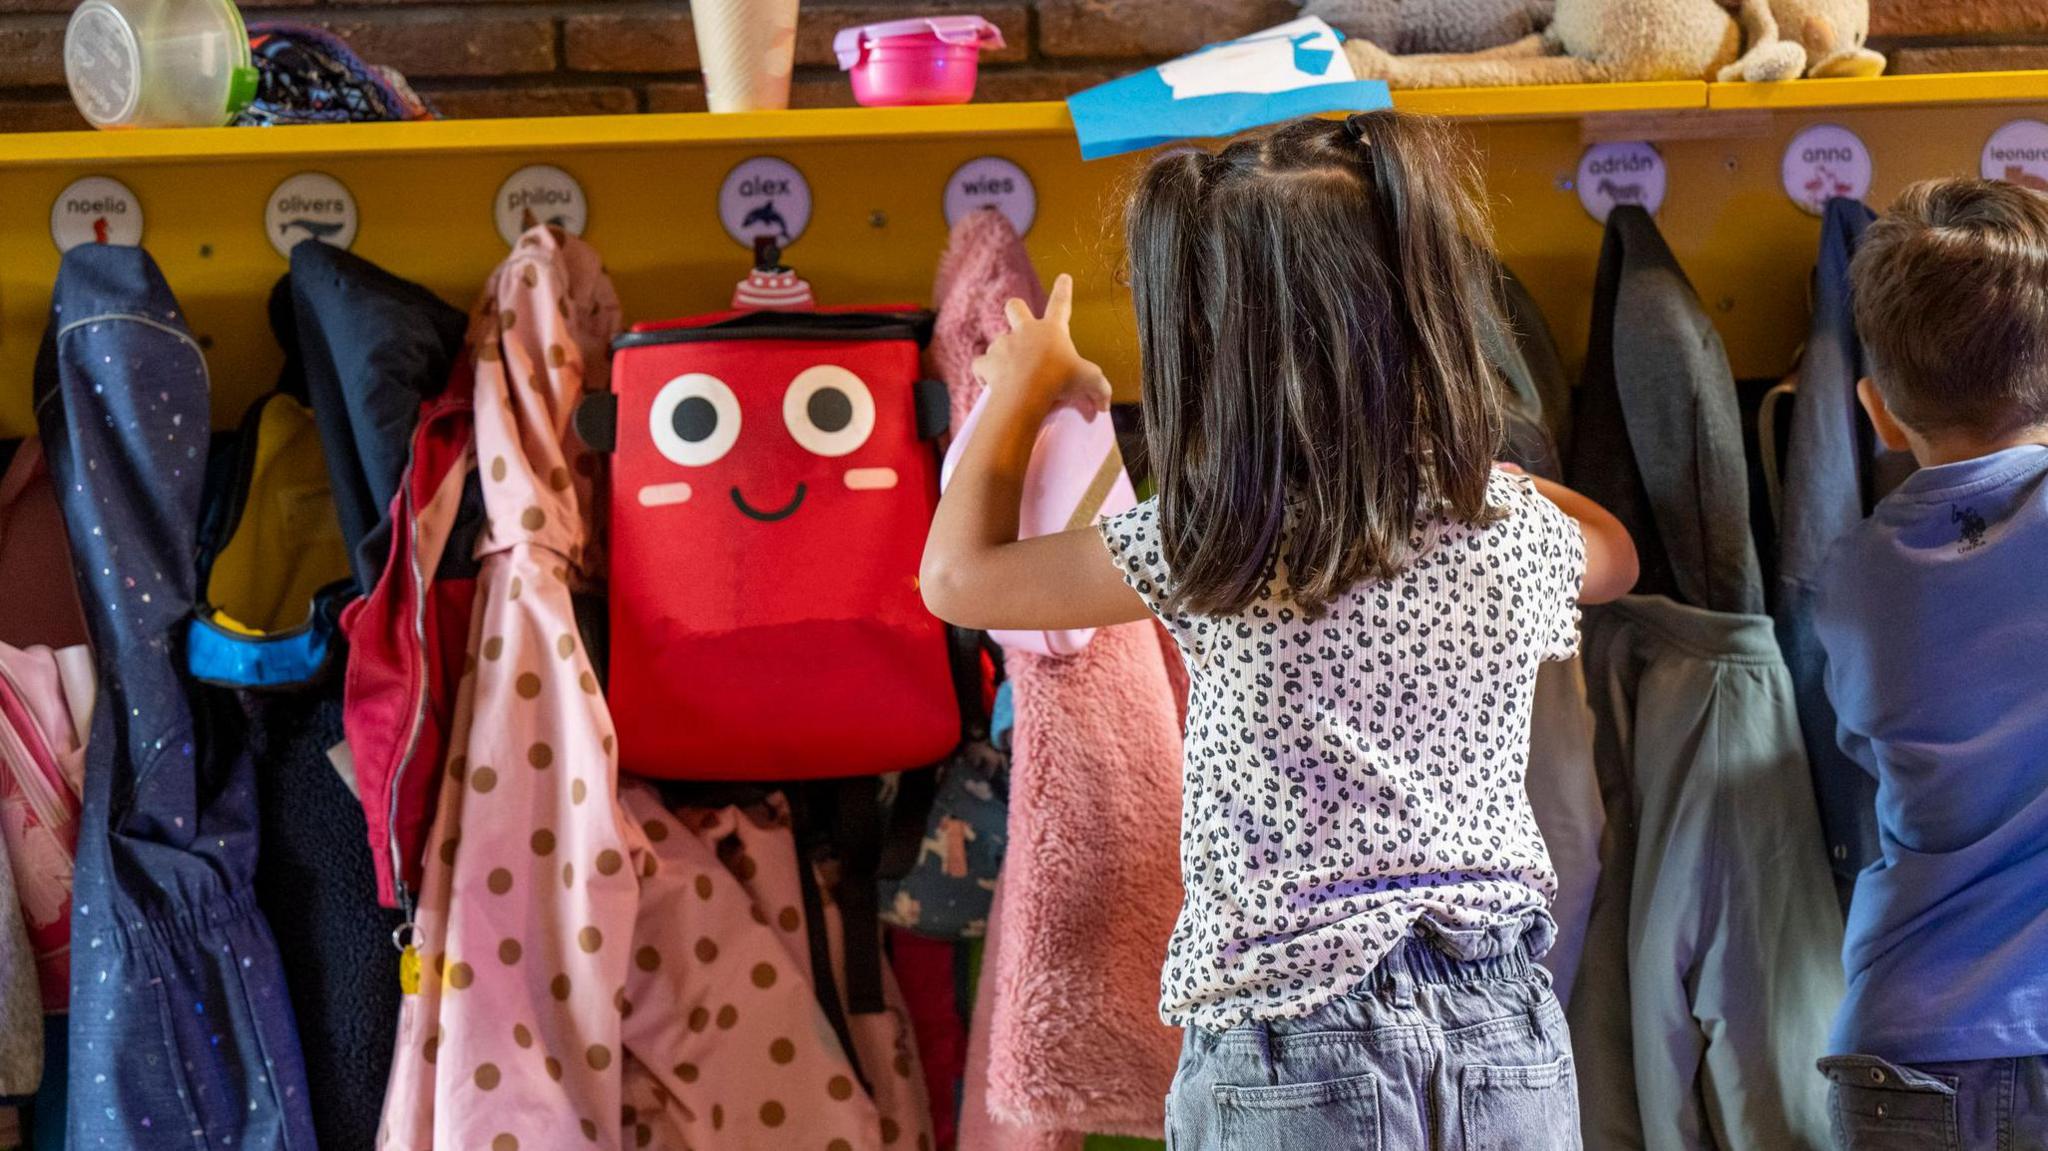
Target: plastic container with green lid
(158,63)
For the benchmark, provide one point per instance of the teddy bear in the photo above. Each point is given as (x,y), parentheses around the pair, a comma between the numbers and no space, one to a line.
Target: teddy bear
(1589,41)
(1830,34)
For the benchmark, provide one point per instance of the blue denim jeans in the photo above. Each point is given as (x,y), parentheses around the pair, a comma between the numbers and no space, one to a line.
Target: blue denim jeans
(1431,1053)
(1981,1105)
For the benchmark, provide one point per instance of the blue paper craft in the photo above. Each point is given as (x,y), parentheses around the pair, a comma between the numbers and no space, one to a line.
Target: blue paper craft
(1296,69)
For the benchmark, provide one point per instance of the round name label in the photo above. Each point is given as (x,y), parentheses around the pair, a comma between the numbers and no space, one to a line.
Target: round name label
(1622,173)
(539,194)
(310,206)
(2018,154)
(1825,162)
(95,210)
(992,182)
(764,198)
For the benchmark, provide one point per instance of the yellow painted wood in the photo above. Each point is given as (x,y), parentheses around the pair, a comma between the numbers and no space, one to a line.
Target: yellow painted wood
(424,195)
(1961,88)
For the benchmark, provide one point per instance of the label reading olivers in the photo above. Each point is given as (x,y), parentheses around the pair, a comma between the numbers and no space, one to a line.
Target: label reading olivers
(310,206)
(1825,162)
(539,194)
(1624,173)
(992,182)
(95,210)
(2018,154)
(764,198)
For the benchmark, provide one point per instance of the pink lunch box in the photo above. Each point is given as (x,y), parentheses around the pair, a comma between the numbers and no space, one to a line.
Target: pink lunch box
(932,60)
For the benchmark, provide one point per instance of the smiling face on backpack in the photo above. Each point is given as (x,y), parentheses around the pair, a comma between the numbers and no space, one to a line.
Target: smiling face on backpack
(792,438)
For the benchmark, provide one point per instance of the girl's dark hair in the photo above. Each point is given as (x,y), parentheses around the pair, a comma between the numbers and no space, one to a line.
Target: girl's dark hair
(1309,300)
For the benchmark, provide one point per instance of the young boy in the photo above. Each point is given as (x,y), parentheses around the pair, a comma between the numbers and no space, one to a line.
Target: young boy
(1934,614)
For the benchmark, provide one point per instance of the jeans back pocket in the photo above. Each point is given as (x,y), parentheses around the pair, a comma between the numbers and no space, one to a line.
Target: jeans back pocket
(1519,1108)
(1338,1115)
(1876,1105)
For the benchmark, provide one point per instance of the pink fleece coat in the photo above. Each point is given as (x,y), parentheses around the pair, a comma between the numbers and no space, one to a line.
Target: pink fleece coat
(1091,881)
(594,972)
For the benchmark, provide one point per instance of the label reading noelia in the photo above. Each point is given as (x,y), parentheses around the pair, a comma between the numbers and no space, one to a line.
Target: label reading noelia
(539,194)
(1825,162)
(992,182)
(2018,154)
(95,210)
(765,198)
(310,206)
(1624,173)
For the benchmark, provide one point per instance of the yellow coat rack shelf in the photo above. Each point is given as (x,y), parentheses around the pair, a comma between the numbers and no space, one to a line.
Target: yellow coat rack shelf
(425,196)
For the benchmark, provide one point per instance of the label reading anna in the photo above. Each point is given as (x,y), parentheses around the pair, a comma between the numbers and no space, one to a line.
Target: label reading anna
(540,194)
(1625,173)
(765,198)
(95,210)
(992,182)
(310,206)
(2018,154)
(1825,162)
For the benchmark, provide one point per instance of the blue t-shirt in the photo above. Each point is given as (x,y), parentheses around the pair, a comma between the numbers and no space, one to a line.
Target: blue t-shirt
(1934,614)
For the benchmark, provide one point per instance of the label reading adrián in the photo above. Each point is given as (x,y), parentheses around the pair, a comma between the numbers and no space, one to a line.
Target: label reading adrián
(765,198)
(95,210)
(1625,173)
(992,182)
(310,206)
(1822,163)
(539,194)
(2018,154)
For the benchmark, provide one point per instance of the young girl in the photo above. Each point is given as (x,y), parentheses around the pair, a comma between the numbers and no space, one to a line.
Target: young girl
(1362,599)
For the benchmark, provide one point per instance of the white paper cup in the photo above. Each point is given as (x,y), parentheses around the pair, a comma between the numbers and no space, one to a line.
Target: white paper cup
(747,48)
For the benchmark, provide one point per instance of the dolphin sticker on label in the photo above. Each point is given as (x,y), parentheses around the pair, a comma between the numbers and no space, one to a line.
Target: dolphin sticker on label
(539,194)
(765,198)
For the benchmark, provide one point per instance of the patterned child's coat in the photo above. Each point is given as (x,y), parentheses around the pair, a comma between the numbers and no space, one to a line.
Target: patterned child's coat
(593,973)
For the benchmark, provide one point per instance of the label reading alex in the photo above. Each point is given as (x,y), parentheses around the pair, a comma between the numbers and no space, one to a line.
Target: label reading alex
(95,210)
(765,198)
(1824,162)
(992,182)
(2018,154)
(1626,173)
(310,206)
(540,194)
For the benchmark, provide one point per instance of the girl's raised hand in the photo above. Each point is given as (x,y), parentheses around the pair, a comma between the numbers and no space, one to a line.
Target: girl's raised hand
(1036,363)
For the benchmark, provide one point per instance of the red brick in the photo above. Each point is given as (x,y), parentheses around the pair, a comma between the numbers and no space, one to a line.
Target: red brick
(1016,85)
(1956,17)
(540,100)
(1149,28)
(820,90)
(32,51)
(1971,58)
(817,24)
(657,39)
(13,6)
(57,114)
(468,43)
(680,96)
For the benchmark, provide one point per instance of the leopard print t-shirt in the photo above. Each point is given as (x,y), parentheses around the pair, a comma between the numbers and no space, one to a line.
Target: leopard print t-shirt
(1349,775)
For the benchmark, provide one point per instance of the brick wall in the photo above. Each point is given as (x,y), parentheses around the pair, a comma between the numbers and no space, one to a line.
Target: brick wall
(565,57)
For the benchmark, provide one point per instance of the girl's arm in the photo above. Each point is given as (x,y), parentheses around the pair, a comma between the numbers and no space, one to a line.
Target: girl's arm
(1611,567)
(976,572)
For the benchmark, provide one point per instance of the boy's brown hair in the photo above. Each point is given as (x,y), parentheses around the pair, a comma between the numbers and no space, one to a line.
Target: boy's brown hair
(1951,289)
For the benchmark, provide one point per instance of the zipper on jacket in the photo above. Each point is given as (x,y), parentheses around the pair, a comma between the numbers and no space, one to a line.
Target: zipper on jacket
(412,738)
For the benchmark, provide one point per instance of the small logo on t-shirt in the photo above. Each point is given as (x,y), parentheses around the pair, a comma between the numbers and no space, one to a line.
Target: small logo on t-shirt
(1973,526)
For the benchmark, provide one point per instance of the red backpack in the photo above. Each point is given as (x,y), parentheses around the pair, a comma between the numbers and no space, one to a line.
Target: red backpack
(772,481)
